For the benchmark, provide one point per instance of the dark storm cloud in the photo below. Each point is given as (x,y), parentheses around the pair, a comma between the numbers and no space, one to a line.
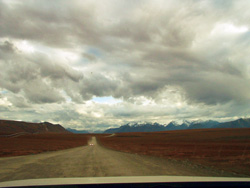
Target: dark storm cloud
(57,23)
(7,47)
(26,21)
(98,85)
(216,90)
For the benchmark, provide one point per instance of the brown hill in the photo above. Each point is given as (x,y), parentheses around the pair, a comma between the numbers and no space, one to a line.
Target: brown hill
(10,127)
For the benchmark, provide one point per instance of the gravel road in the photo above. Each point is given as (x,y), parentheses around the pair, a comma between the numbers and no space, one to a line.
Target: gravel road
(95,161)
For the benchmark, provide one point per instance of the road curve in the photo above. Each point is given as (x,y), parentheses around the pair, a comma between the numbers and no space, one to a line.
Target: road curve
(94,161)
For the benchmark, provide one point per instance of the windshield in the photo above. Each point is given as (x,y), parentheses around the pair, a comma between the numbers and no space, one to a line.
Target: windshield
(124,88)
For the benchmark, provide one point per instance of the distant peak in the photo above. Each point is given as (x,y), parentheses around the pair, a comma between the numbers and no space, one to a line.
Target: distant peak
(186,121)
(140,123)
(174,123)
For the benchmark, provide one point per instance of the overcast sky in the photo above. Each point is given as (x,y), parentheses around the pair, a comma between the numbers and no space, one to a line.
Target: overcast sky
(99,64)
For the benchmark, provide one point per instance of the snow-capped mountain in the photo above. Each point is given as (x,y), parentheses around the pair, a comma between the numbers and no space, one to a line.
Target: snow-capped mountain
(137,127)
(173,125)
(186,123)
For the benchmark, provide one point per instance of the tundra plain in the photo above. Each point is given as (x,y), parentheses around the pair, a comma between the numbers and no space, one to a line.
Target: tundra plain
(226,149)
(207,152)
(26,144)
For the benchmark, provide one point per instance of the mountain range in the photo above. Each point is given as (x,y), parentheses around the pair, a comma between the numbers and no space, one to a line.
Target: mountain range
(153,127)
(9,126)
(77,131)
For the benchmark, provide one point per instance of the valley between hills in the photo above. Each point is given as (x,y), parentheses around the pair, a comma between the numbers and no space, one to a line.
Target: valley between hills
(57,152)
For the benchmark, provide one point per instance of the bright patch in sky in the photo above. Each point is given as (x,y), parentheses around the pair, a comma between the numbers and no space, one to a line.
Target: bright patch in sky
(25,46)
(227,28)
(4,102)
(106,100)
(67,55)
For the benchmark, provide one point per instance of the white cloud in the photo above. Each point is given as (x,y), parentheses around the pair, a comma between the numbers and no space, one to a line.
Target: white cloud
(4,102)
(106,100)
(228,28)
(25,46)
(94,65)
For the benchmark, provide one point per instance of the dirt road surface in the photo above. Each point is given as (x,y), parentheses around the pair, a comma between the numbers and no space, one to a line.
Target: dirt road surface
(95,161)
